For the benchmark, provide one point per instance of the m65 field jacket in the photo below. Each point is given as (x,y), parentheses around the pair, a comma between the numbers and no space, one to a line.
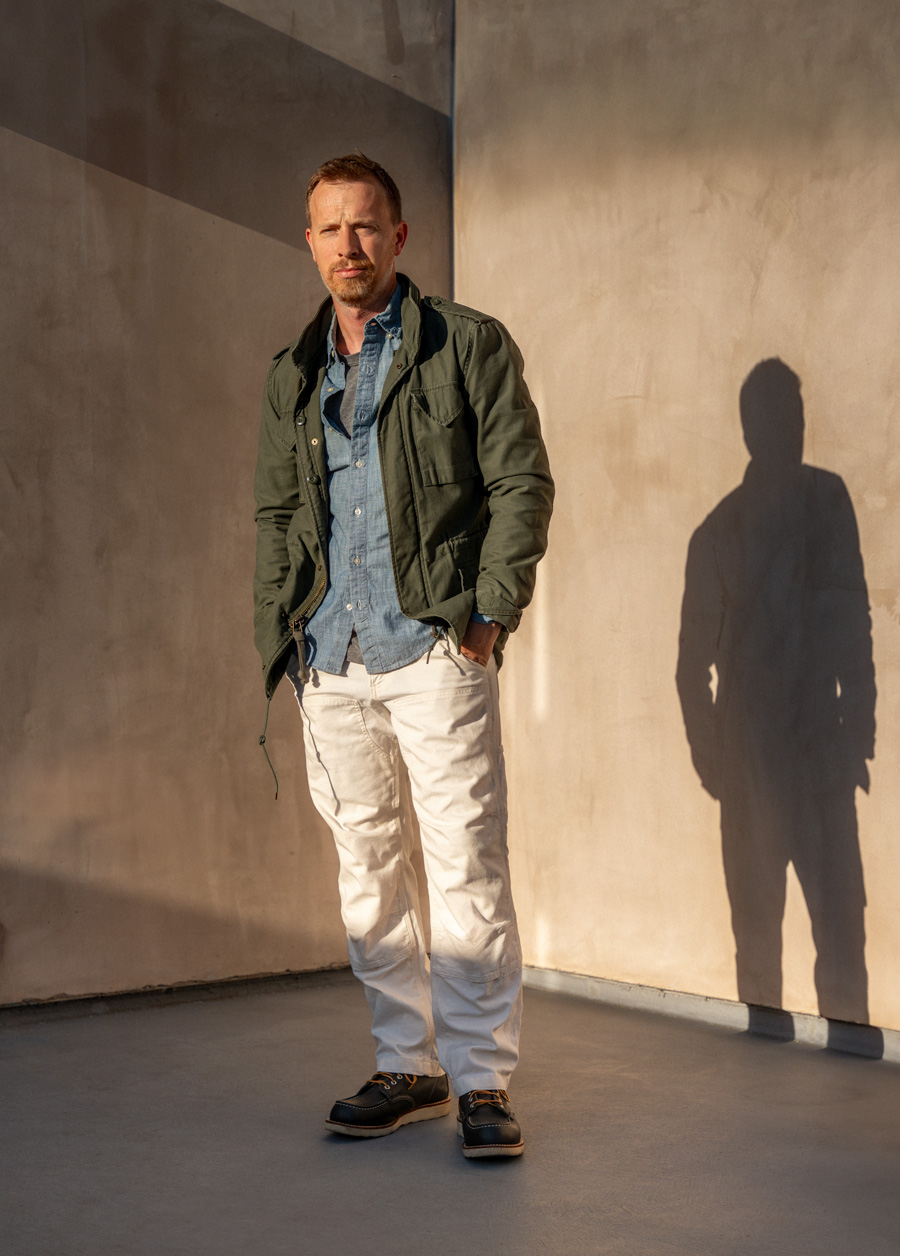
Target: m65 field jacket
(466,481)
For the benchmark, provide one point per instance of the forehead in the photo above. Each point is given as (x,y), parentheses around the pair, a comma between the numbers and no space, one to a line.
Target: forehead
(364,198)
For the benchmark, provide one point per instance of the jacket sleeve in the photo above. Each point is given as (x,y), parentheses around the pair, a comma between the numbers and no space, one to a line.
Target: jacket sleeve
(513,464)
(277,493)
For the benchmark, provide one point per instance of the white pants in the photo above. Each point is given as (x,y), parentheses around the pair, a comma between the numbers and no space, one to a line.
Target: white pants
(460,1012)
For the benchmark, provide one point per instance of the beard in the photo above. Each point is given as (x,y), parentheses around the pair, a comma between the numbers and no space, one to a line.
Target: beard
(356,291)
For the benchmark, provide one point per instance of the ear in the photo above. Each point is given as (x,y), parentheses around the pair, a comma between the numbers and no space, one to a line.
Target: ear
(309,240)
(399,238)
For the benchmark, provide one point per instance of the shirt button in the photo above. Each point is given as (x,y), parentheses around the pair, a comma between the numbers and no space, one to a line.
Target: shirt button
(359,462)
(357,560)
(331,390)
(357,511)
(349,606)
(359,606)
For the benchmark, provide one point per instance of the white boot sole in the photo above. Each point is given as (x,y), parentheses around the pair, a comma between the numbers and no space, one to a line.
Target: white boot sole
(482,1153)
(427,1112)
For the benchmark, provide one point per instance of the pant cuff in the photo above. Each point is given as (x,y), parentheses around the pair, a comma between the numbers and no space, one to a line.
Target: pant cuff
(480,1081)
(421,1067)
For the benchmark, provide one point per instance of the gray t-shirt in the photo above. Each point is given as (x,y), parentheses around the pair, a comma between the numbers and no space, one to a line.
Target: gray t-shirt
(348,397)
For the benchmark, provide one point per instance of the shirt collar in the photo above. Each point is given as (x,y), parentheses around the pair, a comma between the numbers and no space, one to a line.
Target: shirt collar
(389,321)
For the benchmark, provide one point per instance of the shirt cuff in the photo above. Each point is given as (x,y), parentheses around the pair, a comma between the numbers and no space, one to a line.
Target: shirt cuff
(481,619)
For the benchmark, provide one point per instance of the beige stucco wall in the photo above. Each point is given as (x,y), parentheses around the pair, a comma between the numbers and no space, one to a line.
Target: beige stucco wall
(656,198)
(154,156)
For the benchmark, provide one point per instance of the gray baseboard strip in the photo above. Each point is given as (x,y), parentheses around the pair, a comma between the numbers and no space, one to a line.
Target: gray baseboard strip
(814,1031)
(70,1008)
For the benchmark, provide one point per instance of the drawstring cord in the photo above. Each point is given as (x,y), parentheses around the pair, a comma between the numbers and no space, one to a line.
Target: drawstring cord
(262,742)
(436,636)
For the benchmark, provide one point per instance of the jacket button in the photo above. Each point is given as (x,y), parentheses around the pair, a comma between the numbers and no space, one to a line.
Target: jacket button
(300,422)
(312,479)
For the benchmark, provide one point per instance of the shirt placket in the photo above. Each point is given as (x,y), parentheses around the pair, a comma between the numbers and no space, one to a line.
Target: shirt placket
(333,387)
(360,446)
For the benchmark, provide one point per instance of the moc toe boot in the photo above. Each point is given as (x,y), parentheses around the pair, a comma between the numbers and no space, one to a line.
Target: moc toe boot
(387,1101)
(488,1125)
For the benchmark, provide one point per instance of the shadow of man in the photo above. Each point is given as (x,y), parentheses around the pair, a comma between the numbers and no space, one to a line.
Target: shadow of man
(777,689)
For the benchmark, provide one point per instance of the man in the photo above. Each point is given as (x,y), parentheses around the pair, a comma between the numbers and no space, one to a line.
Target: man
(403,497)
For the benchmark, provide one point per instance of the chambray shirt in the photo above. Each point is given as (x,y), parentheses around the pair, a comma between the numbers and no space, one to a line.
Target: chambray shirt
(362,592)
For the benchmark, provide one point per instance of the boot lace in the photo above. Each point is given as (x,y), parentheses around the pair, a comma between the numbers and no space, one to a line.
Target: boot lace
(388,1080)
(496,1097)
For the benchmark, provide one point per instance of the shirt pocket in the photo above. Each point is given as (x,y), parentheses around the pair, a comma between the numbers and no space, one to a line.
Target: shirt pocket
(443,440)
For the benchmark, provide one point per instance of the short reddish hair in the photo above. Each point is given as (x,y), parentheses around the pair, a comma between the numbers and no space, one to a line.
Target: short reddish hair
(356,168)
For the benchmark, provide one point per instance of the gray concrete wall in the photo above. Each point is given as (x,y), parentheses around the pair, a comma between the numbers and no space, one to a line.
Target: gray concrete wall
(155,156)
(656,198)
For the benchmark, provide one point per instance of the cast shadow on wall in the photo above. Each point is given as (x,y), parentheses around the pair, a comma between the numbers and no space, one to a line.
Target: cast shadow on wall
(777,688)
(204,104)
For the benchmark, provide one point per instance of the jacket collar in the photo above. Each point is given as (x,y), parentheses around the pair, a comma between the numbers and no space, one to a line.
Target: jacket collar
(410,317)
(311,345)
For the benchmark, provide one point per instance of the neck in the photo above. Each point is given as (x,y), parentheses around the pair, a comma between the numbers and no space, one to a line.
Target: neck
(351,321)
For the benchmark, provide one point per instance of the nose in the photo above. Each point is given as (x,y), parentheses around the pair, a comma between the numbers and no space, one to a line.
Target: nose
(348,242)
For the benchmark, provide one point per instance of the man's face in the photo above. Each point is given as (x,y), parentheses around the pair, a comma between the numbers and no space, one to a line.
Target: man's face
(354,242)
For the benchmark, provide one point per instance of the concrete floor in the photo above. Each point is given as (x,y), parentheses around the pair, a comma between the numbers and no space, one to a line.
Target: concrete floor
(196,1129)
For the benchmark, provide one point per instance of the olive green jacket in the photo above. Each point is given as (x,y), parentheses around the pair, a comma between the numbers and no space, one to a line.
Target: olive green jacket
(467,486)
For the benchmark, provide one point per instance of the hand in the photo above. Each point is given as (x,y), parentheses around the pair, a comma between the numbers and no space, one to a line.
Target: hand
(478,643)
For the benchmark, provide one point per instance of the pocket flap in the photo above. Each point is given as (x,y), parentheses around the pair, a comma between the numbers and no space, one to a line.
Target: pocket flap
(442,402)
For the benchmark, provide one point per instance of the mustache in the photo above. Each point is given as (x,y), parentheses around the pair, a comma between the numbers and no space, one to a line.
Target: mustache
(357,263)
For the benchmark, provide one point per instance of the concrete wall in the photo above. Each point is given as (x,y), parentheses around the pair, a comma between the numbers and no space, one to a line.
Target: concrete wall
(155,155)
(656,198)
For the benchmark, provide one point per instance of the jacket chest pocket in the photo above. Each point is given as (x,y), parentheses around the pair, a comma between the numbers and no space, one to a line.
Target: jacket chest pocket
(443,440)
(286,430)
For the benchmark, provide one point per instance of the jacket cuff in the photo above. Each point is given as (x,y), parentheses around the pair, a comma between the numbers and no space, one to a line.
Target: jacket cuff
(504,614)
